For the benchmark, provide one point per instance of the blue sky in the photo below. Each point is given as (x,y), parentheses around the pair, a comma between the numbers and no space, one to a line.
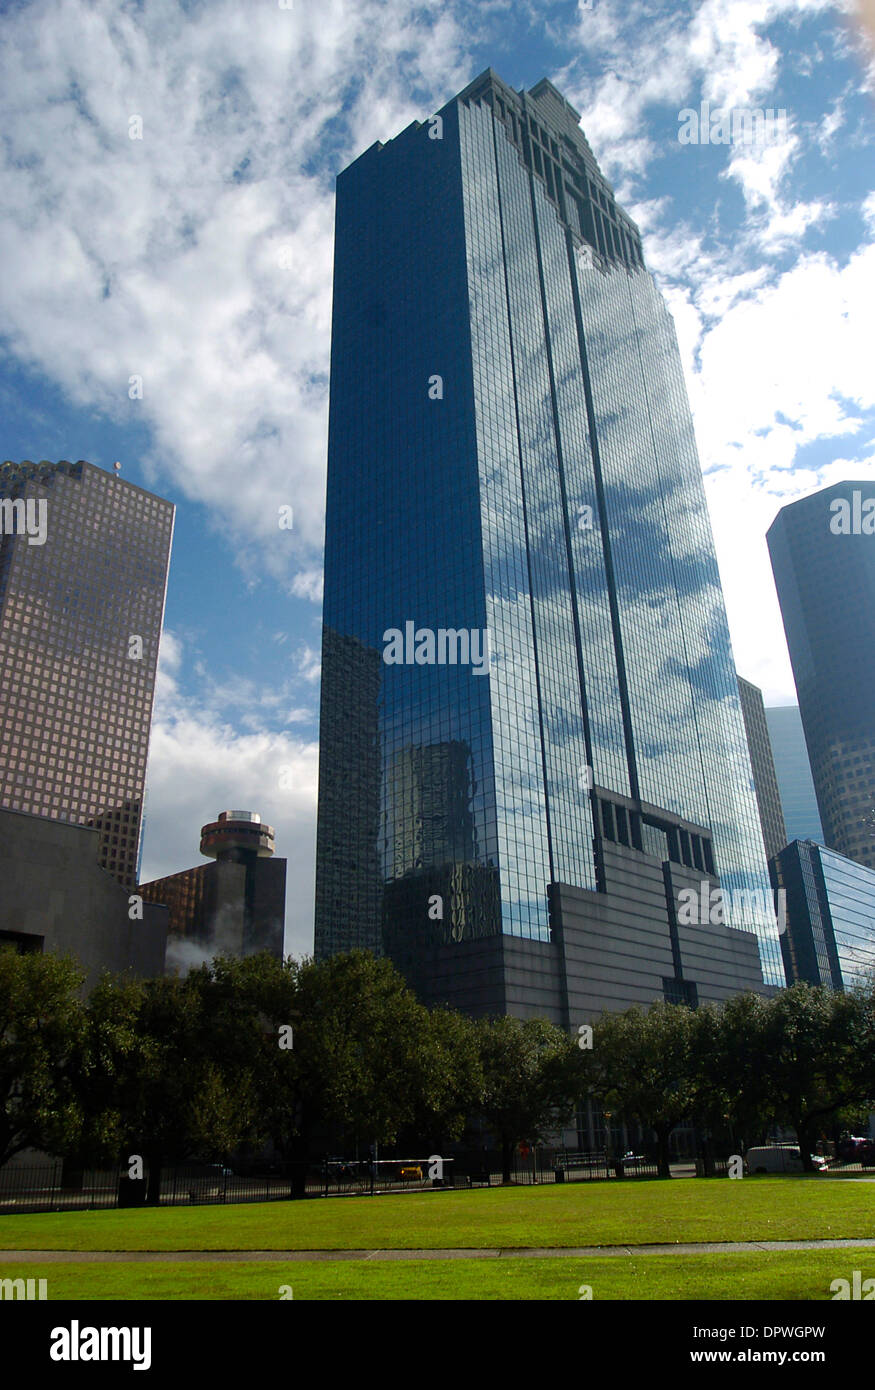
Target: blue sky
(199,258)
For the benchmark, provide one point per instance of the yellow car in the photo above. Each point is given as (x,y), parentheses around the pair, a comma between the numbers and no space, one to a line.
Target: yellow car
(412,1173)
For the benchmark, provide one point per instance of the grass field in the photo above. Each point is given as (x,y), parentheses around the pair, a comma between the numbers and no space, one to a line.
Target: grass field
(551,1218)
(640,1213)
(797,1275)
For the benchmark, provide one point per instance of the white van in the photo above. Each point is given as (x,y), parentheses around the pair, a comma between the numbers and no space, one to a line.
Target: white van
(778,1158)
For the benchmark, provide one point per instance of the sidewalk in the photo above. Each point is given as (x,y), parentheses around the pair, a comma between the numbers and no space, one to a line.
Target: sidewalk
(526,1252)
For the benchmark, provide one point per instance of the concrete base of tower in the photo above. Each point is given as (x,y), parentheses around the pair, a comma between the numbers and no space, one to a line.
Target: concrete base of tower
(609,951)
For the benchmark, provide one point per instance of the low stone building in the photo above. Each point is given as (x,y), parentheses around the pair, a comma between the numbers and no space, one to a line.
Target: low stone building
(54,896)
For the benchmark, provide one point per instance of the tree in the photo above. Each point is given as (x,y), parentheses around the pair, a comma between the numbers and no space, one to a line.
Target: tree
(864,997)
(734,1083)
(448,1082)
(362,1037)
(185,1090)
(645,1065)
(246,1050)
(108,1055)
(262,1022)
(41,1025)
(530,1074)
(815,1059)
(366,1058)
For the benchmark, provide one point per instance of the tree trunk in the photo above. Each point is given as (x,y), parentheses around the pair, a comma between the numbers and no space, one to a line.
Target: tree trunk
(297,1168)
(706,1153)
(8,1134)
(297,1174)
(663,1151)
(804,1130)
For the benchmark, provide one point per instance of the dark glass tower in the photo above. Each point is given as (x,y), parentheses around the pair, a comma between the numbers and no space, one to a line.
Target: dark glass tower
(81,611)
(511,452)
(823,557)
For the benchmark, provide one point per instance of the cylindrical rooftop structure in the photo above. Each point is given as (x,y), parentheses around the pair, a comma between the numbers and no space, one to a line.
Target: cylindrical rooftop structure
(236,833)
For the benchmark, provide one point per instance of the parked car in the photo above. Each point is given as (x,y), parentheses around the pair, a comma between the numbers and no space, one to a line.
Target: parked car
(779,1158)
(856,1149)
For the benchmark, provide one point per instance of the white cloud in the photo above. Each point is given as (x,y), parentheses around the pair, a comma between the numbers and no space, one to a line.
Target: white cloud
(309,663)
(742,510)
(797,350)
(718,53)
(169,661)
(779,371)
(199,257)
(258,707)
(830,125)
(308,584)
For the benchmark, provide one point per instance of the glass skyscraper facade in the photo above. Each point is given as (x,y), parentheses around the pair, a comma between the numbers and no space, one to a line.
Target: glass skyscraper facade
(829,937)
(793,771)
(511,453)
(823,557)
(81,610)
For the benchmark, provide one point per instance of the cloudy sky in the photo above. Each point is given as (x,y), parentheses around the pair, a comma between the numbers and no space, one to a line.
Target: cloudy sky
(197,255)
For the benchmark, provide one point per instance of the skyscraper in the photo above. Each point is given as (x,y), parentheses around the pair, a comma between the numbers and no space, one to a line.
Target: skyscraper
(823,558)
(793,772)
(830,916)
(517,532)
(763,767)
(83,577)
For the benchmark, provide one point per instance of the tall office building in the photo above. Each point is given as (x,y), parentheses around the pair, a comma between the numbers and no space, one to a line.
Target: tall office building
(823,558)
(829,929)
(517,533)
(762,764)
(349,884)
(83,576)
(793,772)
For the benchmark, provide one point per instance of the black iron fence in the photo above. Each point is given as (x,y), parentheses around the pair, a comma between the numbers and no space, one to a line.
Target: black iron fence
(48,1187)
(45,1187)
(584,1167)
(54,1186)
(580,1166)
(550,1165)
(370,1176)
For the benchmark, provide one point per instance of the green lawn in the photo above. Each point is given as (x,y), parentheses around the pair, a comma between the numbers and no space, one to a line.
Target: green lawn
(639,1212)
(797,1275)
